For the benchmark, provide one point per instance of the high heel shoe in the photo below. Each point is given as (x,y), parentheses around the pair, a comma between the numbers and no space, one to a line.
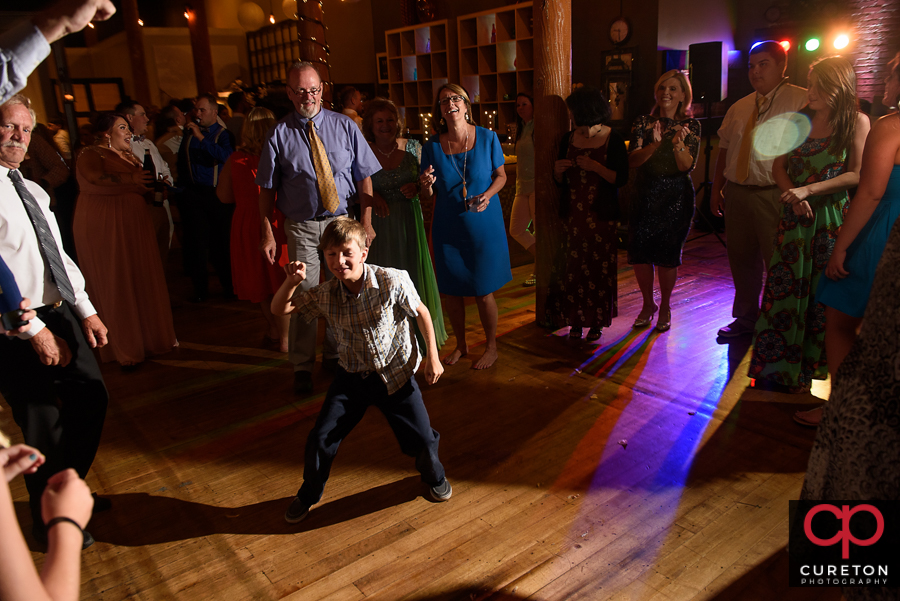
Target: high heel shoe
(663,325)
(640,322)
(594,334)
(575,332)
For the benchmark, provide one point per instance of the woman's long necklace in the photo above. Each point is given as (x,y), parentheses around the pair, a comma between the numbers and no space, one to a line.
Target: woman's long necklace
(462,175)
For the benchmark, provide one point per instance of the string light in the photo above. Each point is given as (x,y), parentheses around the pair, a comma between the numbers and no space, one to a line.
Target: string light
(91,25)
(141,22)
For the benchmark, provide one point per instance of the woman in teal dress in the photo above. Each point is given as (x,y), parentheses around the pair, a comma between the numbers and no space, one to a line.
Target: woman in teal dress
(789,345)
(462,169)
(400,230)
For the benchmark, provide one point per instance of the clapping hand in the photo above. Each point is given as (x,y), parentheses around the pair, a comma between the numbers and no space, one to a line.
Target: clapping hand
(657,132)
(680,135)
(296,272)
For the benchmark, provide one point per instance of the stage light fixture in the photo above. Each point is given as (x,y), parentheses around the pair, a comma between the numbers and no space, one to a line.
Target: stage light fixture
(812,44)
(841,42)
(786,44)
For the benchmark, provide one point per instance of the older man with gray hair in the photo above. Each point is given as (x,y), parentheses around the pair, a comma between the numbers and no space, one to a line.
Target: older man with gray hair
(50,377)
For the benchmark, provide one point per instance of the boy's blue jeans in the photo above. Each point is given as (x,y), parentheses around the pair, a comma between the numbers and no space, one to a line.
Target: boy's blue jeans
(348,398)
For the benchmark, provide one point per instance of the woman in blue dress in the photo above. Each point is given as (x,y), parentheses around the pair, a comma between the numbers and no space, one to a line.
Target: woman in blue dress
(462,170)
(873,211)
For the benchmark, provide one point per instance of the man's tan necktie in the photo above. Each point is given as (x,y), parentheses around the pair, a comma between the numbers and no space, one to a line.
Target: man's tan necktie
(743,160)
(324,176)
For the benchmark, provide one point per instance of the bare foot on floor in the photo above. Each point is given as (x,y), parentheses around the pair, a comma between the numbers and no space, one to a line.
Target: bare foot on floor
(486,360)
(454,357)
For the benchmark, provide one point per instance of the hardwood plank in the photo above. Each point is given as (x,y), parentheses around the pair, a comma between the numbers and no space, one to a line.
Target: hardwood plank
(203,450)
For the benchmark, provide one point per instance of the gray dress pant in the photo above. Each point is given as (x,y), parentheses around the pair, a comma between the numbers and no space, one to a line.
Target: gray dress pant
(303,242)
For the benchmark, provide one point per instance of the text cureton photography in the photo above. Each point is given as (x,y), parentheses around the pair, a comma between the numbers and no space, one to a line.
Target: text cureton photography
(843,543)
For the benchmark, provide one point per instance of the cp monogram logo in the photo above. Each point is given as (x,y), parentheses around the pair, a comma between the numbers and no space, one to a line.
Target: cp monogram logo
(845,536)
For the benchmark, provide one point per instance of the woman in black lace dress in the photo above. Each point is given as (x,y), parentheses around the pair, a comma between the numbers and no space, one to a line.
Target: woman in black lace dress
(664,147)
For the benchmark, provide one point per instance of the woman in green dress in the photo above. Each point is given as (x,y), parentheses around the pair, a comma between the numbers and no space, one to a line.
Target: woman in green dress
(397,215)
(789,341)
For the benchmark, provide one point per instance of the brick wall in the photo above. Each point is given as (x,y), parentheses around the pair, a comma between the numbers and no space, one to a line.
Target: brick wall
(877,41)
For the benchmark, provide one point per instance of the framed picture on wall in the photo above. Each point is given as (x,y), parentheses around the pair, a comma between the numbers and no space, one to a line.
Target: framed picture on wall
(617,89)
(382,66)
(616,84)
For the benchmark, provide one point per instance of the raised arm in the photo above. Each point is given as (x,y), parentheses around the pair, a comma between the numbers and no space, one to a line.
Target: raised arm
(281,302)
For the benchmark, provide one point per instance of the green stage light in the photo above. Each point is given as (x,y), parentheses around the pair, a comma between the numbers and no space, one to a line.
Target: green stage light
(812,44)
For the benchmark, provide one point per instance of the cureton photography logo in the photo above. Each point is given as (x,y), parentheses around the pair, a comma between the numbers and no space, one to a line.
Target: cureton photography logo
(845,543)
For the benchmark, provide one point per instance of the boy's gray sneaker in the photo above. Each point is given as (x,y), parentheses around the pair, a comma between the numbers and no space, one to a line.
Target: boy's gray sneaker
(442,491)
(296,512)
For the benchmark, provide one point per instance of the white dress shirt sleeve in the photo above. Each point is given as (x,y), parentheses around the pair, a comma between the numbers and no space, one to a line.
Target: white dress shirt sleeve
(22,49)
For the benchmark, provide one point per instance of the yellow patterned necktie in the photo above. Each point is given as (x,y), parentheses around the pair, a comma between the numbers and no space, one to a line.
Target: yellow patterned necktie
(743,160)
(324,176)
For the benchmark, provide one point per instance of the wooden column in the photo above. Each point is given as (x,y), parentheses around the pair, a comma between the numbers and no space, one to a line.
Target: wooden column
(203,67)
(134,35)
(552,83)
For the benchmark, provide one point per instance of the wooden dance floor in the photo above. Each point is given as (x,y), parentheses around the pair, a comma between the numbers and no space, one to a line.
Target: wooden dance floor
(642,467)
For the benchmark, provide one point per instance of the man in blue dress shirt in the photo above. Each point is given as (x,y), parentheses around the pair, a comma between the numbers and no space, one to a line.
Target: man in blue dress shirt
(204,150)
(286,170)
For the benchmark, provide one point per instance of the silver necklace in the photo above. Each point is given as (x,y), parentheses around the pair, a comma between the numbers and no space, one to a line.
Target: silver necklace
(462,176)
(386,155)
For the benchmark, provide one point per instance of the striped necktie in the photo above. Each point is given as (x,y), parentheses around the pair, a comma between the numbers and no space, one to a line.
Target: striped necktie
(45,238)
(324,176)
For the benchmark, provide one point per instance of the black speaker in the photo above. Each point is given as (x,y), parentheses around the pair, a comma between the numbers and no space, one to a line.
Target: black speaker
(708,64)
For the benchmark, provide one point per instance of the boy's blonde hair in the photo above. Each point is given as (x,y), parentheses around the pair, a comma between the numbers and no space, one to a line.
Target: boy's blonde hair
(342,230)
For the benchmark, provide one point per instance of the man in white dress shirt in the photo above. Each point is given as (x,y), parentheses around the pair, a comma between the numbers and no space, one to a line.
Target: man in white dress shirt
(743,187)
(50,377)
(141,146)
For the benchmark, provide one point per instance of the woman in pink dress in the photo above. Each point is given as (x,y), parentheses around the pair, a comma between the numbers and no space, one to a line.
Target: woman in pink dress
(117,249)
(254,278)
